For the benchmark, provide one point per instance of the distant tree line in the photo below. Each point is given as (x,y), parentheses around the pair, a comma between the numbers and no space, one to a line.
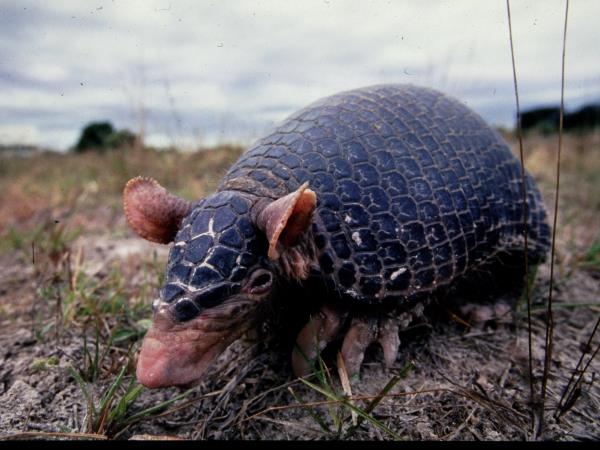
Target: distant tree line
(546,120)
(100,136)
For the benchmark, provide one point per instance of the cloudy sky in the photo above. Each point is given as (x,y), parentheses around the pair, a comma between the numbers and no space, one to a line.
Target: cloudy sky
(193,73)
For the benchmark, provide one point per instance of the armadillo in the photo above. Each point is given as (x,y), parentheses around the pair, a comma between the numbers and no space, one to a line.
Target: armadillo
(381,197)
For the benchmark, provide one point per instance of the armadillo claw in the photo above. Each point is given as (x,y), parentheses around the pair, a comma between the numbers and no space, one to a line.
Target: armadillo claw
(362,333)
(365,331)
(325,326)
(321,329)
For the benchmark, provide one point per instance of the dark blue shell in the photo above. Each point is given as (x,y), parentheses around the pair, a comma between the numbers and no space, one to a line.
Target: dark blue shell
(414,189)
(212,253)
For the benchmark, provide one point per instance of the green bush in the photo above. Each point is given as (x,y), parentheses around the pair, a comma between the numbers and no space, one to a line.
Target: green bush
(101,136)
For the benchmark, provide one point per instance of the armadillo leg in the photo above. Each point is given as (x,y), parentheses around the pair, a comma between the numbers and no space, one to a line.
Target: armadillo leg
(361,334)
(321,329)
(478,315)
(389,340)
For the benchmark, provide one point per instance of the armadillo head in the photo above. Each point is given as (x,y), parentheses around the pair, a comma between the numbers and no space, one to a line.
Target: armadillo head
(222,266)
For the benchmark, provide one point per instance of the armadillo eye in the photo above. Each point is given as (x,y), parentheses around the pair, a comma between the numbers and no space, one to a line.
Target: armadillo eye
(260,282)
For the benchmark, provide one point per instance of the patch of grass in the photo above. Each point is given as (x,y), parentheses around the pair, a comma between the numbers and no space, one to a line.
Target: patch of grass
(345,415)
(49,239)
(93,357)
(117,308)
(42,364)
(111,414)
(108,305)
(50,182)
(591,258)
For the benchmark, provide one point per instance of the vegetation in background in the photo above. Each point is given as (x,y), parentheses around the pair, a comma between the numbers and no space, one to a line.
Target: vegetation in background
(546,120)
(590,260)
(84,190)
(102,136)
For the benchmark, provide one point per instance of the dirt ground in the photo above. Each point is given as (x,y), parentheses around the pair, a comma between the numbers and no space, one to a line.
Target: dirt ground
(63,294)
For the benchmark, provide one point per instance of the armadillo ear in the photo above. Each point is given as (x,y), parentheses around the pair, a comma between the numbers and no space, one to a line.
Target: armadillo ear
(286,218)
(153,212)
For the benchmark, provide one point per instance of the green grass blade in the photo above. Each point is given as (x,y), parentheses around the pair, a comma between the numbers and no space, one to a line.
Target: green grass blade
(75,374)
(327,383)
(356,409)
(131,394)
(112,389)
(95,370)
(148,411)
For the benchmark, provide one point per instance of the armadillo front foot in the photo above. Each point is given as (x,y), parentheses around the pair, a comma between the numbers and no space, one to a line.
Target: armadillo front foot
(321,329)
(366,331)
(362,332)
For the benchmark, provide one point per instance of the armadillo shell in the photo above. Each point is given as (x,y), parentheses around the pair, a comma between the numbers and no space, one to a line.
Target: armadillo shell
(414,189)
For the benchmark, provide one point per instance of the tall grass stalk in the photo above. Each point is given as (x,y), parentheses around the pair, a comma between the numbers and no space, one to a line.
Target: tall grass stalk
(525,209)
(549,314)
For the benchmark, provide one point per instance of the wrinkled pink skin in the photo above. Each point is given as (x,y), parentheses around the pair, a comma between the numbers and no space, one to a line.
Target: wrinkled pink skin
(177,354)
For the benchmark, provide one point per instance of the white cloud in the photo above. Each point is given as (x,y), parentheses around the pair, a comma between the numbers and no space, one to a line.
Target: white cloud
(19,134)
(192,65)
(159,140)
